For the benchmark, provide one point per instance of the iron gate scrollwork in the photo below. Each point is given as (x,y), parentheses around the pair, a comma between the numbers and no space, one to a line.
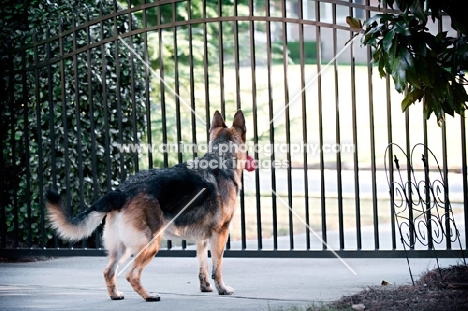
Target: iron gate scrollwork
(420,203)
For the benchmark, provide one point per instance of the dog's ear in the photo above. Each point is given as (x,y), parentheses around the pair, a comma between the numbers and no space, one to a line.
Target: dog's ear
(239,121)
(217,121)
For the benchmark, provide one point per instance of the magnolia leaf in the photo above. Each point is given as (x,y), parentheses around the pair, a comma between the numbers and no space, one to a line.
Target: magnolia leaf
(406,102)
(354,22)
(406,59)
(399,78)
(388,40)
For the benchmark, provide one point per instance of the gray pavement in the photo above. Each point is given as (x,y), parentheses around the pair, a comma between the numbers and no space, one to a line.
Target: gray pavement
(260,284)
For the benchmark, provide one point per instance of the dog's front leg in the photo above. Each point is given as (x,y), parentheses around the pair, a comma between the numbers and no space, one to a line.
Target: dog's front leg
(202,256)
(217,243)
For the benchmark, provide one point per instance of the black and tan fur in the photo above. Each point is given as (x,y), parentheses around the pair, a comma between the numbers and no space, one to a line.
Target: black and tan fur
(141,206)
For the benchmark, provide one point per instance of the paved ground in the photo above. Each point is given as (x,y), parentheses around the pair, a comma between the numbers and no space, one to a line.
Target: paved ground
(260,284)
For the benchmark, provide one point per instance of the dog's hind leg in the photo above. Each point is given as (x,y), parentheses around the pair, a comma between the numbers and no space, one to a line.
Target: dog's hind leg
(217,243)
(143,259)
(202,256)
(140,230)
(116,256)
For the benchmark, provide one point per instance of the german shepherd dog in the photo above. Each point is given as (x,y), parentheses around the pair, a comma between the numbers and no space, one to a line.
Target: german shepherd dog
(146,204)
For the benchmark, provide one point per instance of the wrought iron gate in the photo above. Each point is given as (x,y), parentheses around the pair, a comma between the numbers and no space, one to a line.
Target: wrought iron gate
(117,88)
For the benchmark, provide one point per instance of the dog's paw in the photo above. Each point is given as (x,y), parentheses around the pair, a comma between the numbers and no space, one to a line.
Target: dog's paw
(153,298)
(205,287)
(227,290)
(119,297)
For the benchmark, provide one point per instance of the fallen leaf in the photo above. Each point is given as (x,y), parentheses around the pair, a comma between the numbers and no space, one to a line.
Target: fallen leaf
(358,307)
(457,285)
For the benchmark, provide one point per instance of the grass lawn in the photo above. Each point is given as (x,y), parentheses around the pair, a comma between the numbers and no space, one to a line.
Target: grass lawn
(331,104)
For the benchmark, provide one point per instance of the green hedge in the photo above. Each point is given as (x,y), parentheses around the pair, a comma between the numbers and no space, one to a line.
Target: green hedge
(35,111)
(310,52)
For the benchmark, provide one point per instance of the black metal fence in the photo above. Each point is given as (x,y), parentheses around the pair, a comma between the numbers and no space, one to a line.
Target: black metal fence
(99,92)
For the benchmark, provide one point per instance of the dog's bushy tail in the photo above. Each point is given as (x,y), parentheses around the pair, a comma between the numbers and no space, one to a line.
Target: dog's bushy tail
(83,224)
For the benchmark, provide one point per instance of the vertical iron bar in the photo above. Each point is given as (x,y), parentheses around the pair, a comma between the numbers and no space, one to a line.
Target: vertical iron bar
(52,126)
(355,142)
(11,93)
(239,105)
(206,74)
(134,123)
(318,36)
(390,159)
(427,191)
(445,175)
(427,188)
(162,88)
(426,175)
(408,176)
(177,100)
(221,78)
(446,188)
(372,143)
(149,134)
(52,151)
(192,81)
(163,99)
(272,128)
(338,138)
(65,121)
(464,176)
(177,88)
(221,61)
(3,192)
(27,168)
(91,116)
(78,124)
(94,169)
(287,121)
(255,125)
(107,151)
(304,122)
(236,57)
(118,95)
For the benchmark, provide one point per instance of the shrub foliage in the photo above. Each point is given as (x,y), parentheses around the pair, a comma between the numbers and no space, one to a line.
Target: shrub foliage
(63,112)
(424,66)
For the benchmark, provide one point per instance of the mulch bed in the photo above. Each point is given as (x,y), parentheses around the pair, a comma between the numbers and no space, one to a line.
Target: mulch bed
(444,289)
